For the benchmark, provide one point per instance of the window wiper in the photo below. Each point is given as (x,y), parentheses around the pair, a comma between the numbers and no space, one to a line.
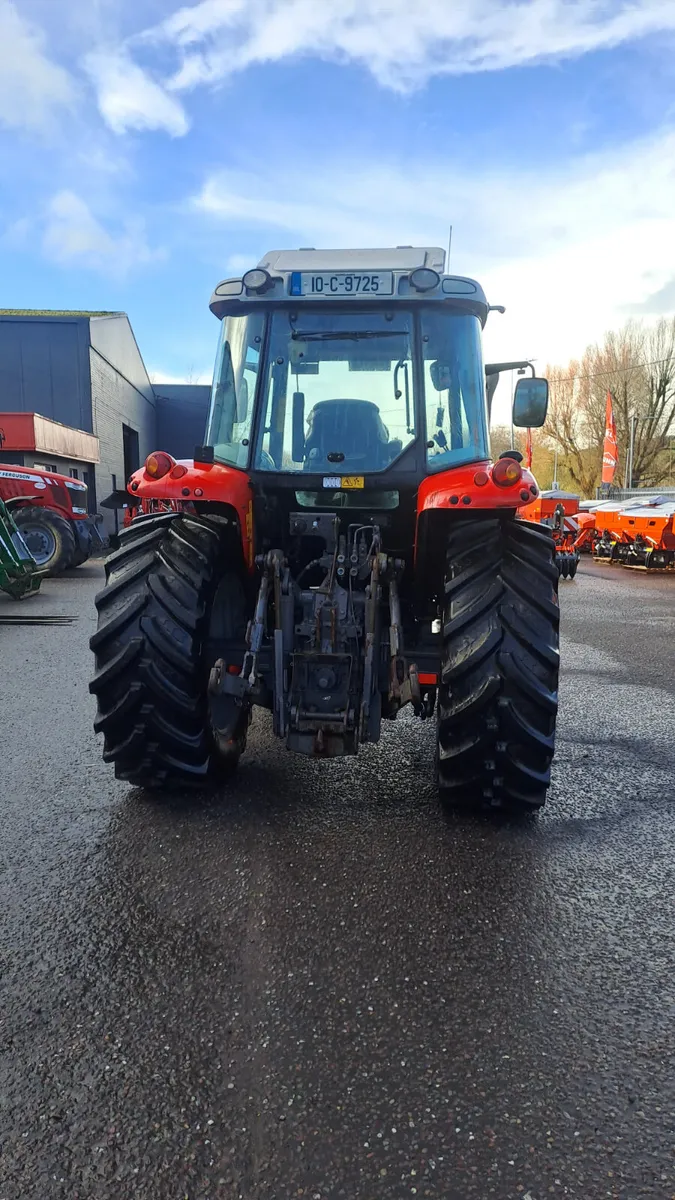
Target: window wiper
(354,335)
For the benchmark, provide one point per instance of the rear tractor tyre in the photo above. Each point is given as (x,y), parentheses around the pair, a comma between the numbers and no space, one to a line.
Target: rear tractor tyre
(498,696)
(48,535)
(155,615)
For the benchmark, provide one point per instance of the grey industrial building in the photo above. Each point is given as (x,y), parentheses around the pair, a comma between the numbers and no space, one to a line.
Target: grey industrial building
(85,370)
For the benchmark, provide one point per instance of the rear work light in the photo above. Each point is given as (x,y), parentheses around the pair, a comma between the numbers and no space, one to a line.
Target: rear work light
(158,464)
(423,279)
(507,472)
(257,280)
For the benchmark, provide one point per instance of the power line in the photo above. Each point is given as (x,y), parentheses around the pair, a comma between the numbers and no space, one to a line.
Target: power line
(654,362)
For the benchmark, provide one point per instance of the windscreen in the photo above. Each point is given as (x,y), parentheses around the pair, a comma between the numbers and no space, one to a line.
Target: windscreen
(338,392)
(337,389)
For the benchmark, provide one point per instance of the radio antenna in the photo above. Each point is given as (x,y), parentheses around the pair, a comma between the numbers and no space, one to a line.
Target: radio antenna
(449,247)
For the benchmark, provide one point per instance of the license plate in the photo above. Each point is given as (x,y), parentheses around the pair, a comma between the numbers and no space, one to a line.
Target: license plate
(325,283)
(346,482)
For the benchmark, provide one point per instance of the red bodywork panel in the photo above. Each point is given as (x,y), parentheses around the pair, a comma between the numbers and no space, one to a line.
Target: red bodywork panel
(453,489)
(457,489)
(201,483)
(44,489)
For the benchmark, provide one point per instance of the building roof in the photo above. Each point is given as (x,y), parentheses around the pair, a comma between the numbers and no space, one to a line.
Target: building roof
(55,312)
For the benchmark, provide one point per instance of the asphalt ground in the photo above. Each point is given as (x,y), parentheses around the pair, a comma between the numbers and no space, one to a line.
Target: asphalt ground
(319,985)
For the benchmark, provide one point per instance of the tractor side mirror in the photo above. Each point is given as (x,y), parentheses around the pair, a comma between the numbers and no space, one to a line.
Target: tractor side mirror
(439,373)
(298,432)
(530,403)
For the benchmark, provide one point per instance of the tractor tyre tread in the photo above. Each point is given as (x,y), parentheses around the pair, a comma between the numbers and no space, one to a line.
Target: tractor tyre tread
(151,678)
(498,691)
(82,555)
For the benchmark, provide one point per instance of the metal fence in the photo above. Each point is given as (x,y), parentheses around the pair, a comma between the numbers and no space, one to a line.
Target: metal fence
(638,493)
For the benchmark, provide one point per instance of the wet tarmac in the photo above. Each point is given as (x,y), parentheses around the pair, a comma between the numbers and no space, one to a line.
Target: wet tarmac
(318,985)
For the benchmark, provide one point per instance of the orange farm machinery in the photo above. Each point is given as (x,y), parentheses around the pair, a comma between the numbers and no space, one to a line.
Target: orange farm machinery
(638,533)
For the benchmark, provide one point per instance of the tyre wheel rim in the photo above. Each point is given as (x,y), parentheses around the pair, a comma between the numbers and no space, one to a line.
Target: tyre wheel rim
(40,541)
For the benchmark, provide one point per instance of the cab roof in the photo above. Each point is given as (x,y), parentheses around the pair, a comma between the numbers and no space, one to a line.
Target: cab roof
(398,258)
(285,267)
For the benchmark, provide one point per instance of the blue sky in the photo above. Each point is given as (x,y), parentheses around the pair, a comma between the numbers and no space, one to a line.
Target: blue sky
(149,149)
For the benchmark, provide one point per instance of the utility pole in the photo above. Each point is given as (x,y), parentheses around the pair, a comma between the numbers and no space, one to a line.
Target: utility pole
(631,450)
(554,485)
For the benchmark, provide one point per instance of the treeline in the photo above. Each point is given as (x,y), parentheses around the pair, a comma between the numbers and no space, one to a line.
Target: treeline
(636,364)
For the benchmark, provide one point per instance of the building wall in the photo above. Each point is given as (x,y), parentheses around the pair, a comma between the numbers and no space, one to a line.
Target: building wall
(113,339)
(182,409)
(86,371)
(116,403)
(44,368)
(121,394)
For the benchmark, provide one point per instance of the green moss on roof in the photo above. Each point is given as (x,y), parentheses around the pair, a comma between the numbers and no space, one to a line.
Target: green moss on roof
(54,312)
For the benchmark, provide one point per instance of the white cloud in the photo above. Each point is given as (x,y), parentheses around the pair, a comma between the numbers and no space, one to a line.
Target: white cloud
(158,377)
(403,44)
(570,254)
(73,236)
(32,87)
(128,98)
(238,263)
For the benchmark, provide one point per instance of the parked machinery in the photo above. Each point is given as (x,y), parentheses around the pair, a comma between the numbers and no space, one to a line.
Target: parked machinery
(19,576)
(351,547)
(638,533)
(50,510)
(559,511)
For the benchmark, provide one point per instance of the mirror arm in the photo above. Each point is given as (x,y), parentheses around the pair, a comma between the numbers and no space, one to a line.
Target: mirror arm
(497,368)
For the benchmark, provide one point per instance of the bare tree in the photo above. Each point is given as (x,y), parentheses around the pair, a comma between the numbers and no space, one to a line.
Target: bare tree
(656,413)
(572,425)
(637,366)
(500,439)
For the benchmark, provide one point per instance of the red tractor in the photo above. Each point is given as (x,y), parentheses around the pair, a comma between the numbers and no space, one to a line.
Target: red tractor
(350,547)
(51,513)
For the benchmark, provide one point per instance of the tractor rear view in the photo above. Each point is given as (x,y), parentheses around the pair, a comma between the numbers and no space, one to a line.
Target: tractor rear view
(349,546)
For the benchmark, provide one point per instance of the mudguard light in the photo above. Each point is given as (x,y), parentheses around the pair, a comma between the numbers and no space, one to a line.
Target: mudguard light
(158,464)
(507,472)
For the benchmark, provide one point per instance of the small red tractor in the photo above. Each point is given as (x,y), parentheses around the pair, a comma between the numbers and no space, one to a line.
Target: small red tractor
(50,512)
(350,547)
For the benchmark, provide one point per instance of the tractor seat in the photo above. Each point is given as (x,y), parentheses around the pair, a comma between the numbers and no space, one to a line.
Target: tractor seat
(353,428)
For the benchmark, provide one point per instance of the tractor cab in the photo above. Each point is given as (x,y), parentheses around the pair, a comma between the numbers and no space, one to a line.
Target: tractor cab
(343,366)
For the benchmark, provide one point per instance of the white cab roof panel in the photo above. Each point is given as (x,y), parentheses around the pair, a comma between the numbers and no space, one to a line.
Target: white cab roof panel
(399,258)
